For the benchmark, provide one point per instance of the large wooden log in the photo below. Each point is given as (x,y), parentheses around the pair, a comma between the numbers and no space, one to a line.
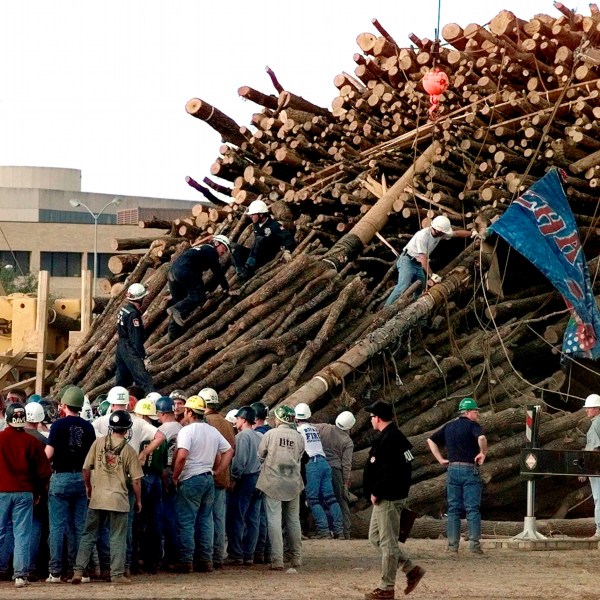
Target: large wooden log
(220,122)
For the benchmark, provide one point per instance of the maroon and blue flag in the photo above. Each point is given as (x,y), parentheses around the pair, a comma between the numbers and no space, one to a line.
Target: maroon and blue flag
(540,225)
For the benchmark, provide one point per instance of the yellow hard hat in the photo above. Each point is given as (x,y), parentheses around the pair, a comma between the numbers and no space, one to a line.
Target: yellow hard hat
(145,407)
(196,403)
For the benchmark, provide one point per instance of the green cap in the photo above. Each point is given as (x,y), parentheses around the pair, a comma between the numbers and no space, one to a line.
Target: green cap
(467,404)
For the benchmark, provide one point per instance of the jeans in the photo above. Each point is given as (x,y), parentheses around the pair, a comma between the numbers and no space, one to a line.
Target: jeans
(131,369)
(464,493)
(320,496)
(409,271)
(339,489)
(288,512)
(383,534)
(67,507)
(263,544)
(595,485)
(37,524)
(194,505)
(243,518)
(131,556)
(150,522)
(219,510)
(171,543)
(16,510)
(118,540)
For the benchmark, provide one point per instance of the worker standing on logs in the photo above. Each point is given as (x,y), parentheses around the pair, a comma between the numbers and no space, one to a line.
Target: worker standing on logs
(186,284)
(386,481)
(592,442)
(467,447)
(413,262)
(269,238)
(132,364)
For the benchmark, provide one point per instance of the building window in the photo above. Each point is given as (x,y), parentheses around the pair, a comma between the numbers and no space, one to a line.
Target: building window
(103,258)
(18,260)
(61,264)
(47,215)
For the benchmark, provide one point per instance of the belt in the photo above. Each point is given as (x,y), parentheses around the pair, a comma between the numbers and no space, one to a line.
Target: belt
(405,253)
(463,464)
(315,458)
(74,471)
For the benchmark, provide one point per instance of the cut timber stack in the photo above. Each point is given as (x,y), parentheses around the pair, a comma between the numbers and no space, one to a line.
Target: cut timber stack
(524,96)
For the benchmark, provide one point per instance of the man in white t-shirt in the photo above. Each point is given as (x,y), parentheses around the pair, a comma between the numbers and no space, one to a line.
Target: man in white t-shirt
(202,452)
(413,262)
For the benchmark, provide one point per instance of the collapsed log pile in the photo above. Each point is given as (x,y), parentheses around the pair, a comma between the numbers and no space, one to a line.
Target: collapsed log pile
(524,96)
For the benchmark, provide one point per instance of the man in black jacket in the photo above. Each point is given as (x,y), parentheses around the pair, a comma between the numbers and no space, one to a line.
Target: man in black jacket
(386,481)
(131,361)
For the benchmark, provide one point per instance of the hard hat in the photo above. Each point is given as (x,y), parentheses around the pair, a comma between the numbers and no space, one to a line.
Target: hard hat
(118,395)
(467,404)
(442,223)
(178,395)
(145,407)
(103,407)
(196,403)
(345,421)
(120,419)
(86,410)
(302,411)
(136,291)
(257,207)
(209,396)
(592,401)
(73,396)
(15,415)
(152,396)
(34,412)
(164,405)
(261,410)
(50,411)
(222,239)
(247,413)
(62,391)
(230,416)
(33,398)
(285,414)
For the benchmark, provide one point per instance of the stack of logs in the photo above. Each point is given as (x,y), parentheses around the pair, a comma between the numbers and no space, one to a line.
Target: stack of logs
(524,96)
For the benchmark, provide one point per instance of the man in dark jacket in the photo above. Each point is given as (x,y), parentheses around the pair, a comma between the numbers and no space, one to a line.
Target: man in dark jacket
(386,481)
(269,238)
(132,365)
(186,284)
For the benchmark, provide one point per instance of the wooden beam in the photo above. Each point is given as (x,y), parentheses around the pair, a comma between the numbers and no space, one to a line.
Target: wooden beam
(42,330)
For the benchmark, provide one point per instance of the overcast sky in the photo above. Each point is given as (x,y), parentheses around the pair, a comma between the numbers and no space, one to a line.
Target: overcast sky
(102,86)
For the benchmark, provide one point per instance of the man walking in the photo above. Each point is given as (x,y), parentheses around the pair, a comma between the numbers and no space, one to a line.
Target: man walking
(466,447)
(131,361)
(280,480)
(201,453)
(24,475)
(69,442)
(386,482)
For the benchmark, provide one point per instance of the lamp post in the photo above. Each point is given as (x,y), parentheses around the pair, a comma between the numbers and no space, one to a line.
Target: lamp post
(75,203)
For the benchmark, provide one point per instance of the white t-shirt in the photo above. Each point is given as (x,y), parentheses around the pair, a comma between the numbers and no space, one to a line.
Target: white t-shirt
(170,431)
(423,242)
(312,440)
(202,442)
(141,431)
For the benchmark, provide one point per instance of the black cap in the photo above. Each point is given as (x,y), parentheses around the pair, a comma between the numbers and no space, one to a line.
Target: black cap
(380,409)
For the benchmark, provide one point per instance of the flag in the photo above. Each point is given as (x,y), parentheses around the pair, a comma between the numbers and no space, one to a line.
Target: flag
(540,226)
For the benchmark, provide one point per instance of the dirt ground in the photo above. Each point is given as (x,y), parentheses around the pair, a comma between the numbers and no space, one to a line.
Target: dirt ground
(346,569)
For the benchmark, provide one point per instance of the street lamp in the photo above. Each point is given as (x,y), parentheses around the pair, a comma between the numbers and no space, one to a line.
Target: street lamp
(75,203)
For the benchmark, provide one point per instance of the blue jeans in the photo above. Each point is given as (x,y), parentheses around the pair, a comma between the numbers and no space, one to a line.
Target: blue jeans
(150,521)
(409,271)
(219,508)
(243,518)
(595,485)
(320,496)
(171,543)
(464,493)
(194,505)
(67,507)
(263,544)
(16,510)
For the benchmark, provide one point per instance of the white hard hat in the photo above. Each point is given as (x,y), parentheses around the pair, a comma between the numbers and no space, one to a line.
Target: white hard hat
(302,411)
(257,207)
(442,223)
(86,410)
(136,291)
(230,416)
(222,239)
(592,401)
(34,412)
(153,397)
(345,421)
(118,395)
(209,395)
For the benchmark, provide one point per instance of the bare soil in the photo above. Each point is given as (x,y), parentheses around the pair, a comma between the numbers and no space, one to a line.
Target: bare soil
(336,570)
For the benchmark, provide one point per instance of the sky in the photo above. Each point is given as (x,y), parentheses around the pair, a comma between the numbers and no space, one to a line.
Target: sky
(102,86)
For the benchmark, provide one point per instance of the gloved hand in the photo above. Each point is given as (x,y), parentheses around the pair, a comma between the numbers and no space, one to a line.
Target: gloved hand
(475,233)
(287,256)
(251,262)
(433,279)
(147,363)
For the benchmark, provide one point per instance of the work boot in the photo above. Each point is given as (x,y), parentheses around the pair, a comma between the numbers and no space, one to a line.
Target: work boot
(233,562)
(121,580)
(323,535)
(77,577)
(204,566)
(379,594)
(412,578)
(182,568)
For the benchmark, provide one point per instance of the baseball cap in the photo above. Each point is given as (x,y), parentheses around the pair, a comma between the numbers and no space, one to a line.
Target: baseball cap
(380,409)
